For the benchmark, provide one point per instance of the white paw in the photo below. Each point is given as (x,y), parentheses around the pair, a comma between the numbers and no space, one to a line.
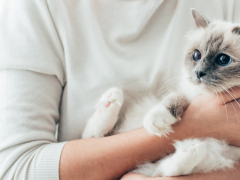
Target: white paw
(112,96)
(106,115)
(158,121)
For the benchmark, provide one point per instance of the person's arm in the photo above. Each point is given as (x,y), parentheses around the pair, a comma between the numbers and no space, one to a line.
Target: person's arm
(29,104)
(111,157)
(32,77)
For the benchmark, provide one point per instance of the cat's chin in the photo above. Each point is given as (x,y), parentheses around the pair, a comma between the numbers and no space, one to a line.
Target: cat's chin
(206,89)
(203,88)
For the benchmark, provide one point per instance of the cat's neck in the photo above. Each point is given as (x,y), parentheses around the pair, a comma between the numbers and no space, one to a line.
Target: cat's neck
(190,90)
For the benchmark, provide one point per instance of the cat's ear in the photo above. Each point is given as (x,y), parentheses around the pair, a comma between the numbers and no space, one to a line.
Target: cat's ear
(199,19)
(236,30)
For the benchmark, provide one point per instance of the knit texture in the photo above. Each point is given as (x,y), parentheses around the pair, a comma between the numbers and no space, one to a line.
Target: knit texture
(45,164)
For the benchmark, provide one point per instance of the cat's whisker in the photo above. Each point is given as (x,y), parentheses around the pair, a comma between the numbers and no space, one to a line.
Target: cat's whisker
(225,107)
(230,88)
(166,91)
(234,98)
(169,85)
(231,101)
(215,92)
(234,92)
(170,81)
(232,106)
(166,85)
(173,78)
(168,88)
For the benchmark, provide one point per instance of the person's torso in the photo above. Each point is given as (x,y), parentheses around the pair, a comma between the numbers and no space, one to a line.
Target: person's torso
(132,44)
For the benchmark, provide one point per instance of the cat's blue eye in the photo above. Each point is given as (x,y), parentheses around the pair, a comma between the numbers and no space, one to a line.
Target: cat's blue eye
(223,60)
(197,55)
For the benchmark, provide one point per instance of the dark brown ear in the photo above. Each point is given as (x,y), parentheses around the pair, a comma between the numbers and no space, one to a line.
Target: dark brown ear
(199,19)
(236,30)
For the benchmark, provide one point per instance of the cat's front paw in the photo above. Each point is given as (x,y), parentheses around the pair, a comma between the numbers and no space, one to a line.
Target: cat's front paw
(113,96)
(106,115)
(158,121)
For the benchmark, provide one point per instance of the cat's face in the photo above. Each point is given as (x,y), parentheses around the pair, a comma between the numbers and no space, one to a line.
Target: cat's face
(212,58)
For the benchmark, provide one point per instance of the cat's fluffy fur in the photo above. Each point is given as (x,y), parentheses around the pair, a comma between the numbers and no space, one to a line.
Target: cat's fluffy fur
(191,155)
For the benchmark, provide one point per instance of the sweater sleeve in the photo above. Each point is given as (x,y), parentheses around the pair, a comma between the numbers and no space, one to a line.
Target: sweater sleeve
(29,39)
(31,76)
(29,103)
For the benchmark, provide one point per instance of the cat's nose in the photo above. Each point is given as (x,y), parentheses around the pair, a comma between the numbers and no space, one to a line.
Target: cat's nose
(200,74)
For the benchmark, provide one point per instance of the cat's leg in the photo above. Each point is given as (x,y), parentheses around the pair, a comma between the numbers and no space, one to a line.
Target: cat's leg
(188,155)
(198,156)
(159,119)
(147,169)
(182,162)
(106,114)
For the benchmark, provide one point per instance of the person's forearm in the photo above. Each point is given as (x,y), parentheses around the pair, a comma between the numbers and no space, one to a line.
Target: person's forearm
(111,157)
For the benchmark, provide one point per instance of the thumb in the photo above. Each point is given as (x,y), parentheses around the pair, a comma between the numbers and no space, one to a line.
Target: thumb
(229,95)
(132,176)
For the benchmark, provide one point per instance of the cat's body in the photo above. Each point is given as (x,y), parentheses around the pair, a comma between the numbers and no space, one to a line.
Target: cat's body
(201,75)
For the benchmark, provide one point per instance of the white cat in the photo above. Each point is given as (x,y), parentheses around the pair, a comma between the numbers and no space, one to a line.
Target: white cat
(212,60)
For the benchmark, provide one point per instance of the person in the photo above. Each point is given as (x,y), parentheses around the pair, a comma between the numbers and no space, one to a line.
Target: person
(58,57)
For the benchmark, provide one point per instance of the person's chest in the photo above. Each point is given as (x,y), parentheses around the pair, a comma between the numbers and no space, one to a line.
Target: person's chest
(133,45)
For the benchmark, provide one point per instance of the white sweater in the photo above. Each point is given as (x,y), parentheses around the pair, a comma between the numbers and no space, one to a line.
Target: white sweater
(58,56)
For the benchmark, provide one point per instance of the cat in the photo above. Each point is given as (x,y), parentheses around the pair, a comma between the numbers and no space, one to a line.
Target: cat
(212,58)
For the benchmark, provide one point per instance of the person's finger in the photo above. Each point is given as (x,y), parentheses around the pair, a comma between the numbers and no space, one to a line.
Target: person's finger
(229,95)
(132,176)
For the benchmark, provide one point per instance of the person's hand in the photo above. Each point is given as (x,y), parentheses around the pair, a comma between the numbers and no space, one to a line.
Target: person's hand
(132,176)
(207,116)
(213,116)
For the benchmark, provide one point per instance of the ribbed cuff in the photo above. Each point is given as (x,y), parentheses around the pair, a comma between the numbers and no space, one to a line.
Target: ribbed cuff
(45,163)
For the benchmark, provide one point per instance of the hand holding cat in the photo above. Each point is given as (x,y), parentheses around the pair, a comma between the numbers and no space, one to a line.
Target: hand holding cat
(131,176)
(215,115)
